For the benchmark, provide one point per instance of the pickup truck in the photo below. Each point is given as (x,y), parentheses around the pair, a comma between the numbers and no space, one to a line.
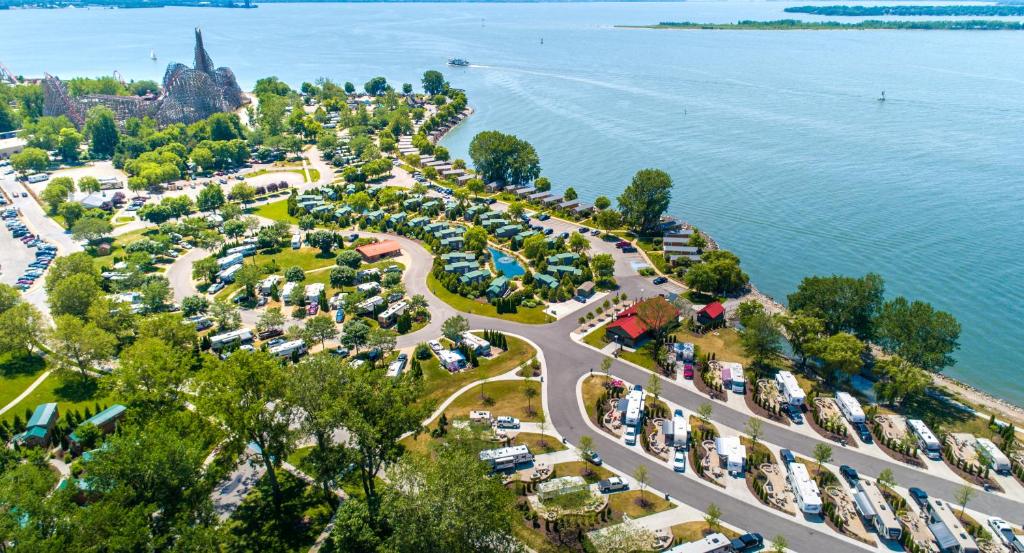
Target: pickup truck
(613,484)
(747,542)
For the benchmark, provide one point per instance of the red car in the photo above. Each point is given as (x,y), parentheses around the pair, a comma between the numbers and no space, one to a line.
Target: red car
(313,308)
(621,244)
(688,371)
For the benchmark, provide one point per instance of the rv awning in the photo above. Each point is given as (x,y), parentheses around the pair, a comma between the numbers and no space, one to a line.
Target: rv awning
(863,505)
(945,538)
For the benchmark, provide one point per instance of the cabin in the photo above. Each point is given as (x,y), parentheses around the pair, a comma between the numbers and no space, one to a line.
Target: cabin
(545,280)
(418,222)
(498,287)
(461,267)
(558,271)
(106,420)
(37,431)
(711,315)
(379,250)
(565,258)
(628,329)
(473,277)
(585,291)
(453,243)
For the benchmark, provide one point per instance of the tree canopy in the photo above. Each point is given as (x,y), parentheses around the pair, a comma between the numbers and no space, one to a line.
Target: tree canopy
(504,158)
(645,200)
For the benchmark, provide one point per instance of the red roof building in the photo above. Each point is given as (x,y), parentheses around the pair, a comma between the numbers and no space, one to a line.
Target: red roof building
(628,328)
(710,314)
(379,250)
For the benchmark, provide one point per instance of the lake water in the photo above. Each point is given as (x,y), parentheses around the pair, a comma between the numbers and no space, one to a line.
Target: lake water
(775,140)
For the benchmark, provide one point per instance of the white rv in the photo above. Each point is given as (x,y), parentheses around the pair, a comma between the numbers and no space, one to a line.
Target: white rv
(506,457)
(288,348)
(871,505)
(987,451)
(926,440)
(296,241)
(790,388)
(634,407)
(241,336)
(228,274)
(808,498)
(229,260)
(850,407)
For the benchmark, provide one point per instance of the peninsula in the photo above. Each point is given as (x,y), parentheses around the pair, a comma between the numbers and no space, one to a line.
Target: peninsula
(997,10)
(870,25)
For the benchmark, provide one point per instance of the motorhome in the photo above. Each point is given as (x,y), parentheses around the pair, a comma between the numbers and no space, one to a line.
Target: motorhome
(247,249)
(790,388)
(988,452)
(296,241)
(506,457)
(288,349)
(850,407)
(228,274)
(871,505)
(926,440)
(268,284)
(37,177)
(808,498)
(241,336)
(391,314)
(229,260)
(711,543)
(633,406)
(677,430)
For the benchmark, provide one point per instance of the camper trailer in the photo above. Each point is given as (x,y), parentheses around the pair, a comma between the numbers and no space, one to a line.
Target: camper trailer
(987,451)
(806,491)
(677,430)
(634,407)
(871,505)
(288,349)
(506,457)
(790,388)
(926,440)
(850,407)
(241,336)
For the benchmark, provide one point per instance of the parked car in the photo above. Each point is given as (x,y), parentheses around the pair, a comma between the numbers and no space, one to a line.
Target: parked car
(660,280)
(435,346)
(621,244)
(863,432)
(270,333)
(217,287)
(679,460)
(688,371)
(506,422)
(628,249)
(850,474)
(276,342)
(312,309)
(630,435)
(340,352)
(593,457)
(613,484)
(787,457)
(794,414)
(919,496)
(339,316)
(595,232)
(564,236)
(1004,532)
(747,542)
(543,217)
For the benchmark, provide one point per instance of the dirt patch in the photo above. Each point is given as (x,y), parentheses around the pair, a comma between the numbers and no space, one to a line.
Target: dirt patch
(705,389)
(825,409)
(758,409)
(955,447)
(882,438)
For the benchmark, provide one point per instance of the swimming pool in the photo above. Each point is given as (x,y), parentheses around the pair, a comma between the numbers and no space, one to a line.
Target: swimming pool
(506,263)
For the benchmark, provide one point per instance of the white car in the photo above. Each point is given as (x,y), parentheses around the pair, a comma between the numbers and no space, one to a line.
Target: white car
(630,435)
(1004,532)
(435,346)
(506,422)
(679,460)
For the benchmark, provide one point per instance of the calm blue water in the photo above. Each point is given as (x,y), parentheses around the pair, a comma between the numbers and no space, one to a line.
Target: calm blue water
(775,141)
(506,263)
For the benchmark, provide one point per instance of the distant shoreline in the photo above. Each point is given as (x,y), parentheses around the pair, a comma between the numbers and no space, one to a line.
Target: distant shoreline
(240,4)
(870,25)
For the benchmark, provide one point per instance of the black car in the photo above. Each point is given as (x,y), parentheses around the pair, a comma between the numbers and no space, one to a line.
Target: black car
(863,432)
(747,542)
(794,414)
(660,280)
(787,457)
(919,496)
(850,474)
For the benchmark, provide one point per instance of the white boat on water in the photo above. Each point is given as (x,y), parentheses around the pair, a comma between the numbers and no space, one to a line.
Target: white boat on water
(458,62)
(152,55)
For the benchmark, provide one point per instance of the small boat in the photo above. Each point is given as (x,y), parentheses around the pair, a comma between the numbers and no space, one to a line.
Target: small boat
(458,62)
(882,97)
(152,55)
(542,40)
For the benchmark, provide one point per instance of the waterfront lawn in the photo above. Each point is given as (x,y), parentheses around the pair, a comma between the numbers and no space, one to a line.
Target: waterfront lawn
(640,357)
(255,526)
(501,398)
(17,372)
(71,392)
(535,315)
(723,342)
(655,254)
(439,384)
(591,473)
(628,503)
(277,211)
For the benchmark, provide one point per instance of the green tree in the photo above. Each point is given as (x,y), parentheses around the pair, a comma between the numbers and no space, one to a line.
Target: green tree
(433,82)
(149,375)
(602,202)
(822,454)
(312,390)
(645,200)
(270,319)
(963,495)
(840,353)
(78,263)
(67,144)
(79,345)
(704,411)
(57,192)
(608,219)
(886,478)
(900,380)
(243,192)
(578,243)
(377,411)
(761,338)
(475,239)
(210,198)
(225,315)
(101,129)
(73,295)
(454,327)
(247,393)
(91,229)
(918,332)
(802,330)
(504,158)
(72,212)
(779,544)
(376,86)
(844,304)
(194,305)
(205,269)
(320,329)
(89,184)
(349,258)
(155,293)
(21,326)
(713,517)
(355,335)
(30,160)
(753,428)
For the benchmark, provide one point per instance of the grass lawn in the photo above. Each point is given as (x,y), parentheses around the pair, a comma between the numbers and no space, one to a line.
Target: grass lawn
(255,527)
(16,373)
(313,173)
(532,440)
(72,392)
(534,315)
(696,529)
(655,253)
(628,503)
(306,258)
(438,383)
(502,398)
(117,246)
(596,339)
(592,389)
(299,455)
(576,468)
(278,211)
(726,345)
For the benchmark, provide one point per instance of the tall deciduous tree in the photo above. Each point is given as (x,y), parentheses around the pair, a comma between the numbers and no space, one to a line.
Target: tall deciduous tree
(919,333)
(504,158)
(313,389)
(900,380)
(433,82)
(845,304)
(101,129)
(645,200)
(247,392)
(840,353)
(802,330)
(761,338)
(79,345)
(454,327)
(149,375)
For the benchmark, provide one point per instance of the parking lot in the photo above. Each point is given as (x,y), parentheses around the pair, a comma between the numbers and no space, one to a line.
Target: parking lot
(16,256)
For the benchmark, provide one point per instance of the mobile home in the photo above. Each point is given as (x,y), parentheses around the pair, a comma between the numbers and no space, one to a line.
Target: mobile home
(926,440)
(806,491)
(229,260)
(871,505)
(850,407)
(228,274)
(790,388)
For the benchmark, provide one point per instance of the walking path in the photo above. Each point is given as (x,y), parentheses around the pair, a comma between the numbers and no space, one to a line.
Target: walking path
(31,387)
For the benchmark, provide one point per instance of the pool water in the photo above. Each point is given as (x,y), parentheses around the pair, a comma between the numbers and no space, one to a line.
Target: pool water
(506,263)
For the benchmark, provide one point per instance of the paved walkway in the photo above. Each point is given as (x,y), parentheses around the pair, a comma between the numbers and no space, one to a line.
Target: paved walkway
(31,387)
